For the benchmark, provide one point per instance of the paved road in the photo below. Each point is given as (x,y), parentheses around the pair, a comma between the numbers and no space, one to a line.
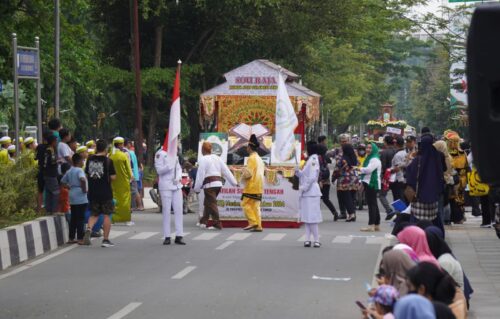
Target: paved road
(223,274)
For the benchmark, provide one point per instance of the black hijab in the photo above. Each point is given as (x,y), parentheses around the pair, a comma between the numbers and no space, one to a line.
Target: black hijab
(427,168)
(349,155)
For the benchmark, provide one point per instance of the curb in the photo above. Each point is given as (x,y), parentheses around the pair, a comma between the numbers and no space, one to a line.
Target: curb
(31,239)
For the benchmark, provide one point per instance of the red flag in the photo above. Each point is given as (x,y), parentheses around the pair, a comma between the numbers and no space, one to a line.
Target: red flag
(174,127)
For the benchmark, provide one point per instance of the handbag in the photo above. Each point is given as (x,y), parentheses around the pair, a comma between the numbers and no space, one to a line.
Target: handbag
(410,193)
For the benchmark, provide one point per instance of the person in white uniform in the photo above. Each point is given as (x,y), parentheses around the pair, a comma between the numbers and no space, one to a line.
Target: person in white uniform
(310,196)
(169,184)
(211,169)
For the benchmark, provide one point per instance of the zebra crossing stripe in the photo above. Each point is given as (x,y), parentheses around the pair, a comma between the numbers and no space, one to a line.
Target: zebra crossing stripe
(206,236)
(116,233)
(239,236)
(274,237)
(342,240)
(144,235)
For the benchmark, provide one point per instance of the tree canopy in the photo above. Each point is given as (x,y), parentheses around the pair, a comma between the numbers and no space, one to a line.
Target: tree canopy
(357,54)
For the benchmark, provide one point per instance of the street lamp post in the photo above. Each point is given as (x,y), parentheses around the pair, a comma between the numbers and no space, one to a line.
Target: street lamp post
(56,56)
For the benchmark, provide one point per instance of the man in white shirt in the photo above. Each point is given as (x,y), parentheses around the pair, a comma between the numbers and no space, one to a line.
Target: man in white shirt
(211,168)
(64,152)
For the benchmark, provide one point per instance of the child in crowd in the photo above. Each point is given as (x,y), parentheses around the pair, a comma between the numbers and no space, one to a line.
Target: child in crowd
(64,205)
(384,300)
(76,181)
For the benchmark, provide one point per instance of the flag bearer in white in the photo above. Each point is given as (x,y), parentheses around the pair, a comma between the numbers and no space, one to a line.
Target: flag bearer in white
(211,168)
(310,195)
(169,184)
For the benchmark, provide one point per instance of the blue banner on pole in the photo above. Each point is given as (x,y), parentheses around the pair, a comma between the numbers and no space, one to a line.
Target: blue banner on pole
(27,63)
(1,86)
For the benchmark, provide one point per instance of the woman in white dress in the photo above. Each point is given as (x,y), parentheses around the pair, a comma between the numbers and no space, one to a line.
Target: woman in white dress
(310,196)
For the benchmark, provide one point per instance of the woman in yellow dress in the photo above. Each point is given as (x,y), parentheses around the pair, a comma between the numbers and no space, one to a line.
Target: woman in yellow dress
(121,184)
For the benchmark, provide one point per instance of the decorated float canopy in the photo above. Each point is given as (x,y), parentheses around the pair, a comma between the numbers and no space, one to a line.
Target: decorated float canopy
(386,123)
(249,97)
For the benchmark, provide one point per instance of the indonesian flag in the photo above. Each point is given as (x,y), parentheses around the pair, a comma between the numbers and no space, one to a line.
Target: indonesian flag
(286,122)
(171,142)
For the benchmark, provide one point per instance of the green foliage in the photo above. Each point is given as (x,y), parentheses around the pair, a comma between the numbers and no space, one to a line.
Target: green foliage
(18,195)
(429,93)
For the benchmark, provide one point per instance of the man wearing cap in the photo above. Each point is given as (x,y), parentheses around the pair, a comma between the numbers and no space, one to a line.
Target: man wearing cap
(90,145)
(134,187)
(30,150)
(12,154)
(169,184)
(121,185)
(253,178)
(83,152)
(5,142)
(211,168)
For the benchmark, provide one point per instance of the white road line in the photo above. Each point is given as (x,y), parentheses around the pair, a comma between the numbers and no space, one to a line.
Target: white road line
(184,272)
(303,238)
(375,241)
(116,233)
(173,235)
(144,235)
(239,236)
(274,237)
(36,262)
(342,240)
(225,245)
(125,310)
(206,236)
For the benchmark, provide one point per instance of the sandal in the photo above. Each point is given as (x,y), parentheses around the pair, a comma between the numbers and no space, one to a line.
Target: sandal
(317,244)
(307,244)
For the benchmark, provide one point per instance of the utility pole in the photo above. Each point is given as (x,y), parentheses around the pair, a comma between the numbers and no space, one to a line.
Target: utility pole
(56,56)
(138,93)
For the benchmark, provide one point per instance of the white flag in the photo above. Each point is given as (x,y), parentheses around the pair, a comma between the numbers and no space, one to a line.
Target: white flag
(286,122)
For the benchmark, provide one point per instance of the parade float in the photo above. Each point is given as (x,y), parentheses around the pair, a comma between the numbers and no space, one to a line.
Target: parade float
(245,104)
(387,123)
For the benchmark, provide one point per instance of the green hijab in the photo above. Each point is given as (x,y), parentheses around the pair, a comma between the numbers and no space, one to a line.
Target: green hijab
(374,177)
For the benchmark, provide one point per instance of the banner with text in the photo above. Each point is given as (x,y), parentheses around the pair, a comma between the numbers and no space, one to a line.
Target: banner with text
(279,201)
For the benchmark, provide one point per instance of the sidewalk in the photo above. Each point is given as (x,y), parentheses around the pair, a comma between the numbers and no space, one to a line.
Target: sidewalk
(478,250)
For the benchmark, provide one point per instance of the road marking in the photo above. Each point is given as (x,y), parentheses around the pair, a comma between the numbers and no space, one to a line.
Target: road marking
(172,236)
(362,236)
(314,277)
(225,245)
(303,238)
(239,236)
(274,237)
(36,262)
(116,233)
(125,310)
(375,241)
(184,272)
(206,236)
(144,235)
(342,240)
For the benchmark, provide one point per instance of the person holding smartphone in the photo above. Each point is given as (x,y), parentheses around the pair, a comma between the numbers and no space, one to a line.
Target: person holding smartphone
(384,300)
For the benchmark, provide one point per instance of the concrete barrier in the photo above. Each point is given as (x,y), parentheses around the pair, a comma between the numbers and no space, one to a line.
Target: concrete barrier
(31,239)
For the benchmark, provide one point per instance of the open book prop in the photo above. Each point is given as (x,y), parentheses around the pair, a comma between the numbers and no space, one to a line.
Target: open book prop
(240,134)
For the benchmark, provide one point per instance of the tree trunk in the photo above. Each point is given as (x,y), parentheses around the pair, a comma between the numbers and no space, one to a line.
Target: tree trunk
(153,114)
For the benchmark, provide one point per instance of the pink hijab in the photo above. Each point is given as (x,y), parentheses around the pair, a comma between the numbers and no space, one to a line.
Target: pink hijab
(415,237)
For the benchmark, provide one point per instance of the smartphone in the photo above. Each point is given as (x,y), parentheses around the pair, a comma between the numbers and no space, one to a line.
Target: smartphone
(360,305)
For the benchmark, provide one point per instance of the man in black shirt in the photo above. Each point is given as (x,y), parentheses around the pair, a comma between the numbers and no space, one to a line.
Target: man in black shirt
(50,173)
(100,172)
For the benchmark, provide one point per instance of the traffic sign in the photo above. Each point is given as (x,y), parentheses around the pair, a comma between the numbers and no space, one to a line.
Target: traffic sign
(27,64)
